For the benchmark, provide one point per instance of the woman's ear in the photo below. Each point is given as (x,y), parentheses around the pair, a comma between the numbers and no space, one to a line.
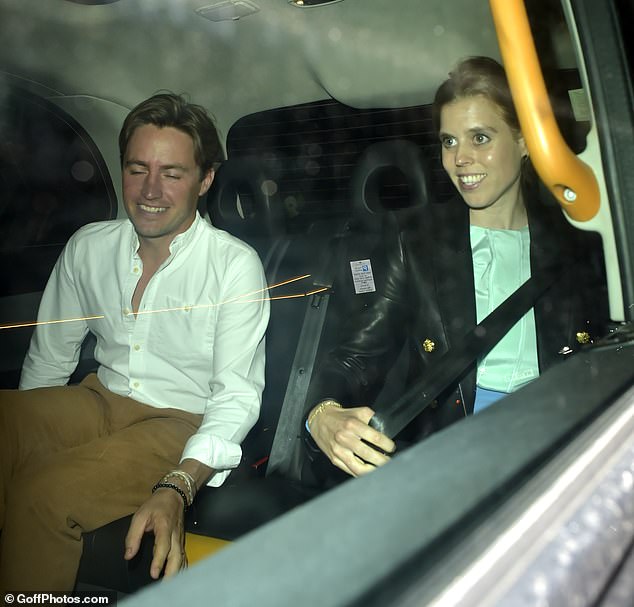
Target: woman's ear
(523,149)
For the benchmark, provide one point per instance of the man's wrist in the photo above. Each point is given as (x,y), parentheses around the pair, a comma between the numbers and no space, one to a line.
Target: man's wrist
(184,480)
(163,485)
(201,473)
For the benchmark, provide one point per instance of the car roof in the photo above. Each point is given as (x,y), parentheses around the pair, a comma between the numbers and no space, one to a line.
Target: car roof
(277,55)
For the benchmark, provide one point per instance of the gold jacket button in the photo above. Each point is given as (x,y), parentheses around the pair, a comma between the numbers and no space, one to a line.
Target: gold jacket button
(428,345)
(583,337)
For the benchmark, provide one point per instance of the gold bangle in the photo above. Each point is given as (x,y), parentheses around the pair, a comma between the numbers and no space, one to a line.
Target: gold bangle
(186,478)
(329,402)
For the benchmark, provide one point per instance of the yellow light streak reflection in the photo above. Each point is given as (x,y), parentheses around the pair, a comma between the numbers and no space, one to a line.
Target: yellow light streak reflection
(293,296)
(37,323)
(238,299)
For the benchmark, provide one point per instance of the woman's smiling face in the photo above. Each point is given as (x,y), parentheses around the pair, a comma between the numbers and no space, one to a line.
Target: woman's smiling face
(481,153)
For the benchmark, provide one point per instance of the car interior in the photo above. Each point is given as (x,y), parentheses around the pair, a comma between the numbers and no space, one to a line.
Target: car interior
(324,107)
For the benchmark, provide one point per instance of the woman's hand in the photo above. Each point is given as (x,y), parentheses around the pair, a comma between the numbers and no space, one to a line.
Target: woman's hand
(340,434)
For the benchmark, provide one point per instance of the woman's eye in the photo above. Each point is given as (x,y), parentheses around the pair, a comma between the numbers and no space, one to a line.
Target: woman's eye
(448,142)
(481,138)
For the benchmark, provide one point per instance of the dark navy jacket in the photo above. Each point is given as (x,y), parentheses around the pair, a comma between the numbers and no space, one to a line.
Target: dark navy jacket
(425,294)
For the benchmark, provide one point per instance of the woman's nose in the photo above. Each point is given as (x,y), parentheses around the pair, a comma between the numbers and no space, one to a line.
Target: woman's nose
(463,156)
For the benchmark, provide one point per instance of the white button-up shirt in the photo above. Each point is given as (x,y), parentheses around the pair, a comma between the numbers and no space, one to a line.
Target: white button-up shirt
(196,344)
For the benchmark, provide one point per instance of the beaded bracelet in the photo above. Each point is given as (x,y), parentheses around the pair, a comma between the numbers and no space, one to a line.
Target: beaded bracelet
(161,485)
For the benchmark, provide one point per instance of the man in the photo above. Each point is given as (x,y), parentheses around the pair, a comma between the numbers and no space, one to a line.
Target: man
(179,311)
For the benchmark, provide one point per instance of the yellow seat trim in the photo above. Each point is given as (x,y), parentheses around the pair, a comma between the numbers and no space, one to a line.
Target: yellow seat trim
(199,547)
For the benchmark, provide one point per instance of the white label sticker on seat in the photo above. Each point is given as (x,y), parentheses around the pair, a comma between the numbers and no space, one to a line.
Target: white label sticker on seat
(362,276)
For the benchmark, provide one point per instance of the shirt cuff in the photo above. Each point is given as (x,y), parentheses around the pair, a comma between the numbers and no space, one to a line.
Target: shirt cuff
(218,453)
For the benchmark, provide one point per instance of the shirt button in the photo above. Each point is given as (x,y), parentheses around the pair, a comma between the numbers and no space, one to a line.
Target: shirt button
(136,384)
(135,269)
(126,311)
(137,347)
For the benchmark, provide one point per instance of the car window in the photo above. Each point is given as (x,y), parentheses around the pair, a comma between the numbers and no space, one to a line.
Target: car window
(52,181)
(310,151)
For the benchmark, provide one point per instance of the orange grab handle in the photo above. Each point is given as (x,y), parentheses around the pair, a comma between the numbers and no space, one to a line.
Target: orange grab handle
(571,181)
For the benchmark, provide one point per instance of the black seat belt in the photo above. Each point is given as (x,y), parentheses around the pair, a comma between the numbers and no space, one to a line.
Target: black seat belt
(285,457)
(452,364)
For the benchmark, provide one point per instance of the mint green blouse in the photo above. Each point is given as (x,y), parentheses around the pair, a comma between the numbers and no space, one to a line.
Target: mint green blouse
(501,264)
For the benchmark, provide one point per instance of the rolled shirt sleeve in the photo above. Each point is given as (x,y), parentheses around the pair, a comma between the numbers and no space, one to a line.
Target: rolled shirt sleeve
(237,377)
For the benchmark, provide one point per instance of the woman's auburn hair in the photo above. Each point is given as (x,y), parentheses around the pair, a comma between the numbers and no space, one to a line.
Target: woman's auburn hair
(475,76)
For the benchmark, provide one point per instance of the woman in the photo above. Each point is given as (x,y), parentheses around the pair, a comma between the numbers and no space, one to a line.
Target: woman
(449,268)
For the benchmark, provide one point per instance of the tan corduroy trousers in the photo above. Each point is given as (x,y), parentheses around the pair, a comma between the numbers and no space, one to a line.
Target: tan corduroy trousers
(72,459)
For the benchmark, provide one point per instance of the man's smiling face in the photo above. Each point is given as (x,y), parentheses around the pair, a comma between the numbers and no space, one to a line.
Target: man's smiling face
(161,182)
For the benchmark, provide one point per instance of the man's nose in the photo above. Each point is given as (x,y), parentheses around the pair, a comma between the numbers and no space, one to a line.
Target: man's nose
(151,187)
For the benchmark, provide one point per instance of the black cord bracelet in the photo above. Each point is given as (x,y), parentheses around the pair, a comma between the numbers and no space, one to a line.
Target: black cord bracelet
(175,488)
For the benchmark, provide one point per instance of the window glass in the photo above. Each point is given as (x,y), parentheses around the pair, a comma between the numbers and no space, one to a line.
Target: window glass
(52,181)
(625,10)
(314,149)
(311,150)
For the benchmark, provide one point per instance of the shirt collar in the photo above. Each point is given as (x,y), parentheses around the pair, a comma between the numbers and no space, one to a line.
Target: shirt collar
(179,242)
(184,238)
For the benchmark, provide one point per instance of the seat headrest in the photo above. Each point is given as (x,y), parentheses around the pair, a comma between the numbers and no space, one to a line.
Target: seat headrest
(390,177)
(243,200)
